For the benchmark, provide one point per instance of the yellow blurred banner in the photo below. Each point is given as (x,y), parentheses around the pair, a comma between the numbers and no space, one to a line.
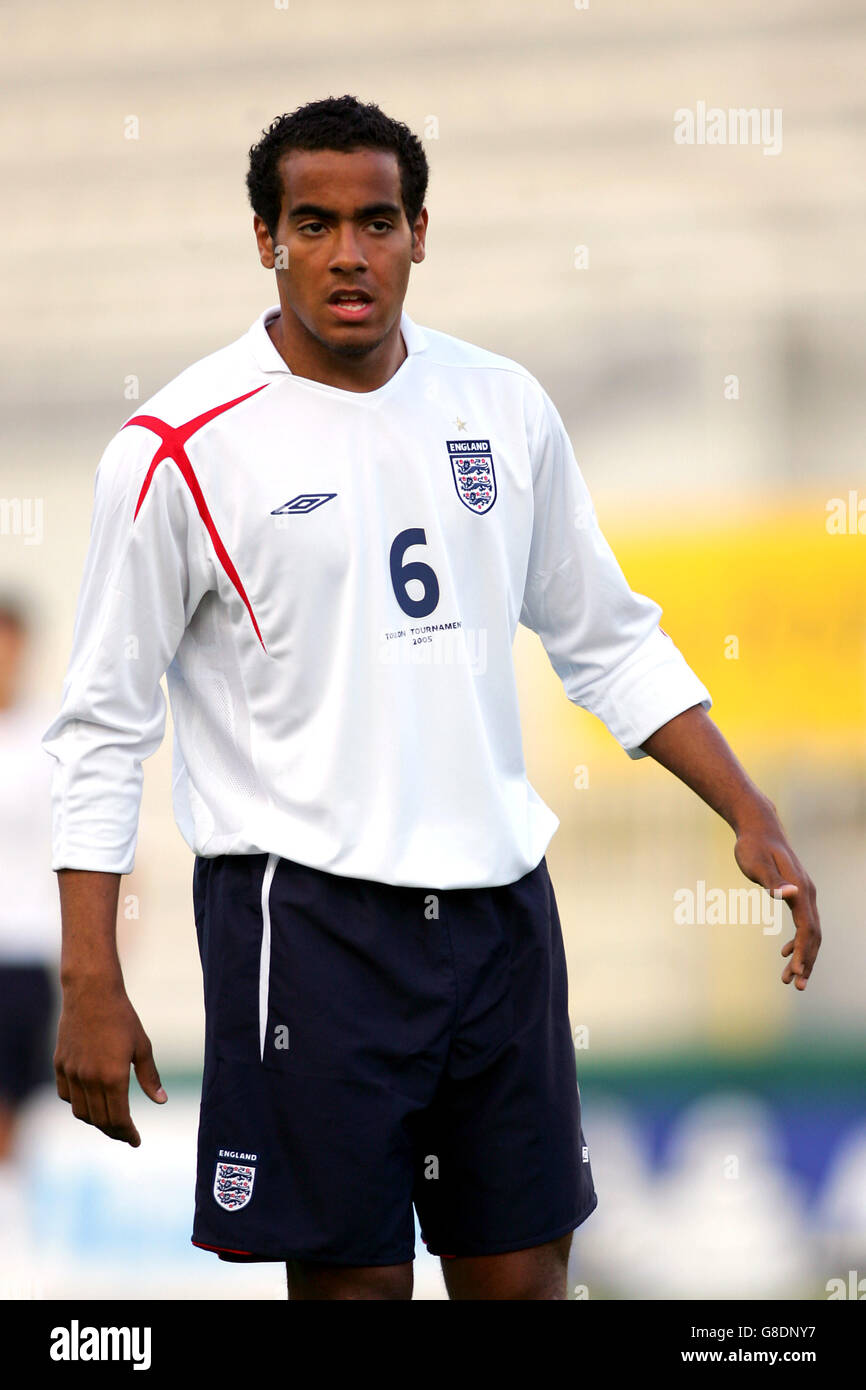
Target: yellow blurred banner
(769,608)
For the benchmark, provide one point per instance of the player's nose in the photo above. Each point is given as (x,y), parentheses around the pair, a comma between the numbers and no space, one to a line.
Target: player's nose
(348,254)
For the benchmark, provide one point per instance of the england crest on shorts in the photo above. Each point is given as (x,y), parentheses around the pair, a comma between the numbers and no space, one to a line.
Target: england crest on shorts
(233,1185)
(472,467)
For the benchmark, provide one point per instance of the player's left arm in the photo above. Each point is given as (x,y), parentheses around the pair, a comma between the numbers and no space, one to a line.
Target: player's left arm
(615,660)
(693,748)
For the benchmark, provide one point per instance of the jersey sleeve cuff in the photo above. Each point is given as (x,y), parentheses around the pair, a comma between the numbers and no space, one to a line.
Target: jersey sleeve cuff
(656,686)
(94,861)
(686,701)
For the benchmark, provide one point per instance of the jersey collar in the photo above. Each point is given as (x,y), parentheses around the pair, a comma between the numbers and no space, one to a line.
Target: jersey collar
(269,360)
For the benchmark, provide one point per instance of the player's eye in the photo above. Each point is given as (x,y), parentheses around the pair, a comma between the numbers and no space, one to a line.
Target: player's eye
(381,222)
(305,227)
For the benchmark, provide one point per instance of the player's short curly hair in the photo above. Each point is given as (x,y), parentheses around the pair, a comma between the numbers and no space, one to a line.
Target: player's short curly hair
(334,123)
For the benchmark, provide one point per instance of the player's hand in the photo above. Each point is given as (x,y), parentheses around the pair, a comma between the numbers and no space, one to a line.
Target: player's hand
(765,857)
(99,1036)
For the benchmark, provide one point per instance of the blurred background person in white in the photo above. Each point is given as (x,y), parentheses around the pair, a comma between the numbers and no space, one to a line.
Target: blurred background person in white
(29,912)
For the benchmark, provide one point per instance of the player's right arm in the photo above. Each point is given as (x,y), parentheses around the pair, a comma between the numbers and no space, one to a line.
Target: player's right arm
(147,569)
(100,1033)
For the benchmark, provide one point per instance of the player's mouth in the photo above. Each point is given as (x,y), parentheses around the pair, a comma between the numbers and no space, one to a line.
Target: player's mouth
(350,305)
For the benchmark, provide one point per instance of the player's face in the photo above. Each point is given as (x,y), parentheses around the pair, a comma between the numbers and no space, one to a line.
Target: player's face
(11,656)
(343,227)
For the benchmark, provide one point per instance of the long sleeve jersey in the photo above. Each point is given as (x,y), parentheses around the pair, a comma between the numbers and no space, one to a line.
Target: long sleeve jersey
(331,582)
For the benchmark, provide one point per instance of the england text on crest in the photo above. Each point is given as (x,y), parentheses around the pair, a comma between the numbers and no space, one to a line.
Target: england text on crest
(474,477)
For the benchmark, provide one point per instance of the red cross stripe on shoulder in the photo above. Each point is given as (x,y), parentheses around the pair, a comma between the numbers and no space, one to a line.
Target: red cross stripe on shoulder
(174,438)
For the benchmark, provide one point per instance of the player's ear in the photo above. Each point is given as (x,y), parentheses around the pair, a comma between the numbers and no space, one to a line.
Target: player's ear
(264,242)
(419,233)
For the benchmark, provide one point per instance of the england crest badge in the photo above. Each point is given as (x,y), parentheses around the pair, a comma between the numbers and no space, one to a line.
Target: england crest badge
(233,1185)
(474,477)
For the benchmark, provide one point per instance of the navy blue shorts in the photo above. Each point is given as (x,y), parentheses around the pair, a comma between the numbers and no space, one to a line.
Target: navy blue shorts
(369,1047)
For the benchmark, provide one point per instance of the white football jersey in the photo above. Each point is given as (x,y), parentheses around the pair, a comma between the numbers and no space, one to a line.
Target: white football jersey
(331,581)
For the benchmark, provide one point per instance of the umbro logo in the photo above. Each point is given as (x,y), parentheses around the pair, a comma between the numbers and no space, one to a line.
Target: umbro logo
(304,502)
